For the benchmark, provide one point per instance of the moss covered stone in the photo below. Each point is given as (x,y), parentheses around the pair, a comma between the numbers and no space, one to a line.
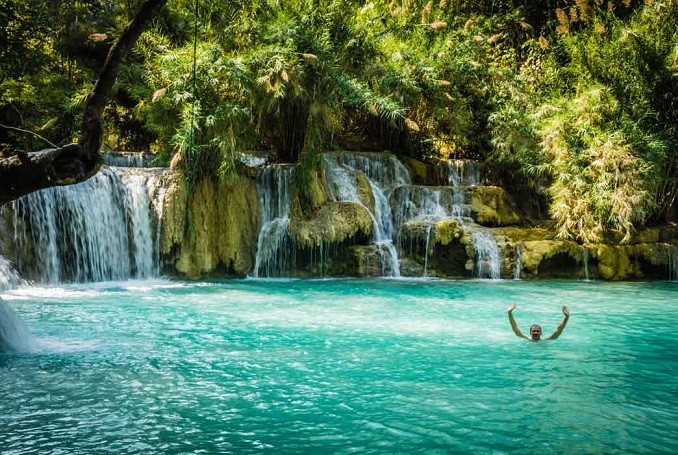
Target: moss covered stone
(535,252)
(613,262)
(490,206)
(334,222)
(215,229)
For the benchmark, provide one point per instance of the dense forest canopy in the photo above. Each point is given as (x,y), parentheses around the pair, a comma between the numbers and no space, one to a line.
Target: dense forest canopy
(570,102)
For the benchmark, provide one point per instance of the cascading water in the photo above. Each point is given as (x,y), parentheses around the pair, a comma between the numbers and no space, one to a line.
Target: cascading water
(384,173)
(9,277)
(463,173)
(673,263)
(433,204)
(127,159)
(487,263)
(275,246)
(519,261)
(101,229)
(428,241)
(585,261)
(487,257)
(14,335)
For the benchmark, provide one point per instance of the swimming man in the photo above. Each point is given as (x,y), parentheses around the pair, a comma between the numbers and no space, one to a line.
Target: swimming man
(535,330)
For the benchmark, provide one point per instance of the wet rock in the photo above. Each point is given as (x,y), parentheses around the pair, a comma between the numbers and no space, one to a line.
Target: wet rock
(214,230)
(490,206)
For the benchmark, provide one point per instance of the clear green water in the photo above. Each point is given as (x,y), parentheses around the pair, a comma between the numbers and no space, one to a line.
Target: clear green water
(342,366)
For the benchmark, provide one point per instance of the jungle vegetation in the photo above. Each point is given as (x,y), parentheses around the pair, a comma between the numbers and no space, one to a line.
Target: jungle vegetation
(570,102)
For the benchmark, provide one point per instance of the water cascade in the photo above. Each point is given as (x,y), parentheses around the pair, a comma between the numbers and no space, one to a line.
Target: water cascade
(128,159)
(519,259)
(384,173)
(14,335)
(106,228)
(429,228)
(585,261)
(276,252)
(487,258)
(673,263)
(463,173)
(434,204)
(9,277)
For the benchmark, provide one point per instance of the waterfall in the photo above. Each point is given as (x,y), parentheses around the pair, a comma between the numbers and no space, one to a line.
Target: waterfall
(98,230)
(672,263)
(519,259)
(463,173)
(384,173)
(428,241)
(430,204)
(127,159)
(9,277)
(276,253)
(487,257)
(14,335)
(585,261)
(382,169)
(486,251)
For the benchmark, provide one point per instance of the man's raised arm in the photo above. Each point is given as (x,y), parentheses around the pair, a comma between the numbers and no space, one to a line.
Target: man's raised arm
(512,320)
(562,325)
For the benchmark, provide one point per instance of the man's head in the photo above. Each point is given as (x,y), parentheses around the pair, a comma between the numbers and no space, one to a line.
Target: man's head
(535,332)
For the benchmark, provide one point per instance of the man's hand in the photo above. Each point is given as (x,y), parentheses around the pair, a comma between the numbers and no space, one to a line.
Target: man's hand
(513,307)
(566,312)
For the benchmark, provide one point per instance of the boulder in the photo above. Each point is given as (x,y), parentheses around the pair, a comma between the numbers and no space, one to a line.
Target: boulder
(334,222)
(490,206)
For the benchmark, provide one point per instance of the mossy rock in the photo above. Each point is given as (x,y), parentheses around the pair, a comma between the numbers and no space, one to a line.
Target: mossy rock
(174,211)
(490,206)
(449,231)
(516,234)
(442,248)
(443,232)
(317,193)
(613,261)
(537,253)
(334,222)
(366,260)
(365,195)
(215,230)
(422,173)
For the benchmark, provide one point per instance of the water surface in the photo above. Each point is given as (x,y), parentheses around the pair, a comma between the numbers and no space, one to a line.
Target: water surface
(342,366)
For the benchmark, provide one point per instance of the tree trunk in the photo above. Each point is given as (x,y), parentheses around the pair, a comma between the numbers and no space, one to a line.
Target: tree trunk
(73,163)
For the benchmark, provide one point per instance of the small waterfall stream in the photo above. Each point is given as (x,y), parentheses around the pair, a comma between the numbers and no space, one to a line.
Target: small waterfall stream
(519,261)
(428,241)
(128,159)
(9,277)
(672,263)
(585,261)
(276,252)
(487,256)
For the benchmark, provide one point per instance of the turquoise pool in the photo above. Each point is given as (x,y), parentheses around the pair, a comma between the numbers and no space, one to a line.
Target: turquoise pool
(342,366)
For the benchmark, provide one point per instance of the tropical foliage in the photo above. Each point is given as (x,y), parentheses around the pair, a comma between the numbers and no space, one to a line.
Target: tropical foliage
(570,101)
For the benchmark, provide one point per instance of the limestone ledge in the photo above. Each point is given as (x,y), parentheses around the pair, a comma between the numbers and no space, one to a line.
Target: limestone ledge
(334,222)
(652,254)
(214,230)
(490,206)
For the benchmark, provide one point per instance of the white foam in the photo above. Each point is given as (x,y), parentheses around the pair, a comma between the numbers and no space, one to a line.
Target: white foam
(14,335)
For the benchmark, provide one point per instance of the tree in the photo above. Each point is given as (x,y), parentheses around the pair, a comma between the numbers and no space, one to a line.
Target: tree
(73,163)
